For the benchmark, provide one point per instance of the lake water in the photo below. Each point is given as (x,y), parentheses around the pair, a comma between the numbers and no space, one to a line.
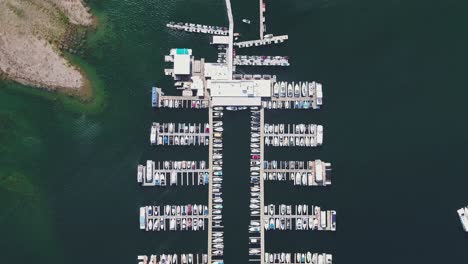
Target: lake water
(395,132)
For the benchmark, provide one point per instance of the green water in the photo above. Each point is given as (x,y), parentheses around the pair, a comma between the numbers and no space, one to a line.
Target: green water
(395,132)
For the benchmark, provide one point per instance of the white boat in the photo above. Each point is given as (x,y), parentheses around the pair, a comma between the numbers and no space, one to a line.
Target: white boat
(305,91)
(140,172)
(246,21)
(328,259)
(149,171)
(142,218)
(463,214)
(290,91)
(173,177)
(319,93)
(319,135)
(321,259)
(231,108)
(276,90)
(283,89)
(153,134)
(311,89)
(297,90)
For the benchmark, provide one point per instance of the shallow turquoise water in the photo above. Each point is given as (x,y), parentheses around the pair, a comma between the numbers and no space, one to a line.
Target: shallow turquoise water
(393,75)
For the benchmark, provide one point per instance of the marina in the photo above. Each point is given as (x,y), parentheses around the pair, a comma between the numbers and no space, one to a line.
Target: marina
(300,173)
(170,173)
(298,217)
(180,134)
(173,259)
(218,87)
(296,258)
(173,217)
(296,135)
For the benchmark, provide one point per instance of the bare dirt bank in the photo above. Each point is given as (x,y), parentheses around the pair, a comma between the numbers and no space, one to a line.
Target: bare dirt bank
(31,33)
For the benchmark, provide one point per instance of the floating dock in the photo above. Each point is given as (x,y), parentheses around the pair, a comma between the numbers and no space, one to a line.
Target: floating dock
(261,42)
(244,60)
(309,173)
(159,100)
(256,193)
(296,135)
(298,217)
(180,134)
(197,28)
(173,259)
(296,258)
(215,200)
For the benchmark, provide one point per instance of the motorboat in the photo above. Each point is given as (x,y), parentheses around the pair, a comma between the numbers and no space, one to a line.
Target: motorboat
(297,91)
(282,89)
(276,90)
(290,91)
(305,91)
(246,21)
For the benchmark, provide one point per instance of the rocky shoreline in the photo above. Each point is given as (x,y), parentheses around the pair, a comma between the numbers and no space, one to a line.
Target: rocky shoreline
(33,36)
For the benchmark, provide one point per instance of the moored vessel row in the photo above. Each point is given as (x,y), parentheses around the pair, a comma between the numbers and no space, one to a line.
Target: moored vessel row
(310,173)
(198,28)
(300,135)
(256,199)
(298,217)
(180,134)
(296,258)
(216,234)
(173,217)
(244,60)
(170,173)
(173,259)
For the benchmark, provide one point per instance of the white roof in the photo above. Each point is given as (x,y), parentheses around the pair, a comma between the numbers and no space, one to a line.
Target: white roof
(224,40)
(240,88)
(216,71)
(181,64)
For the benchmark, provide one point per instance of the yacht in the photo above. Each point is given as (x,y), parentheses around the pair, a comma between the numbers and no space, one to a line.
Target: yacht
(283,89)
(328,259)
(290,92)
(246,21)
(142,218)
(173,177)
(231,108)
(149,171)
(463,214)
(333,221)
(297,90)
(153,134)
(276,90)
(319,135)
(311,89)
(321,259)
(304,89)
